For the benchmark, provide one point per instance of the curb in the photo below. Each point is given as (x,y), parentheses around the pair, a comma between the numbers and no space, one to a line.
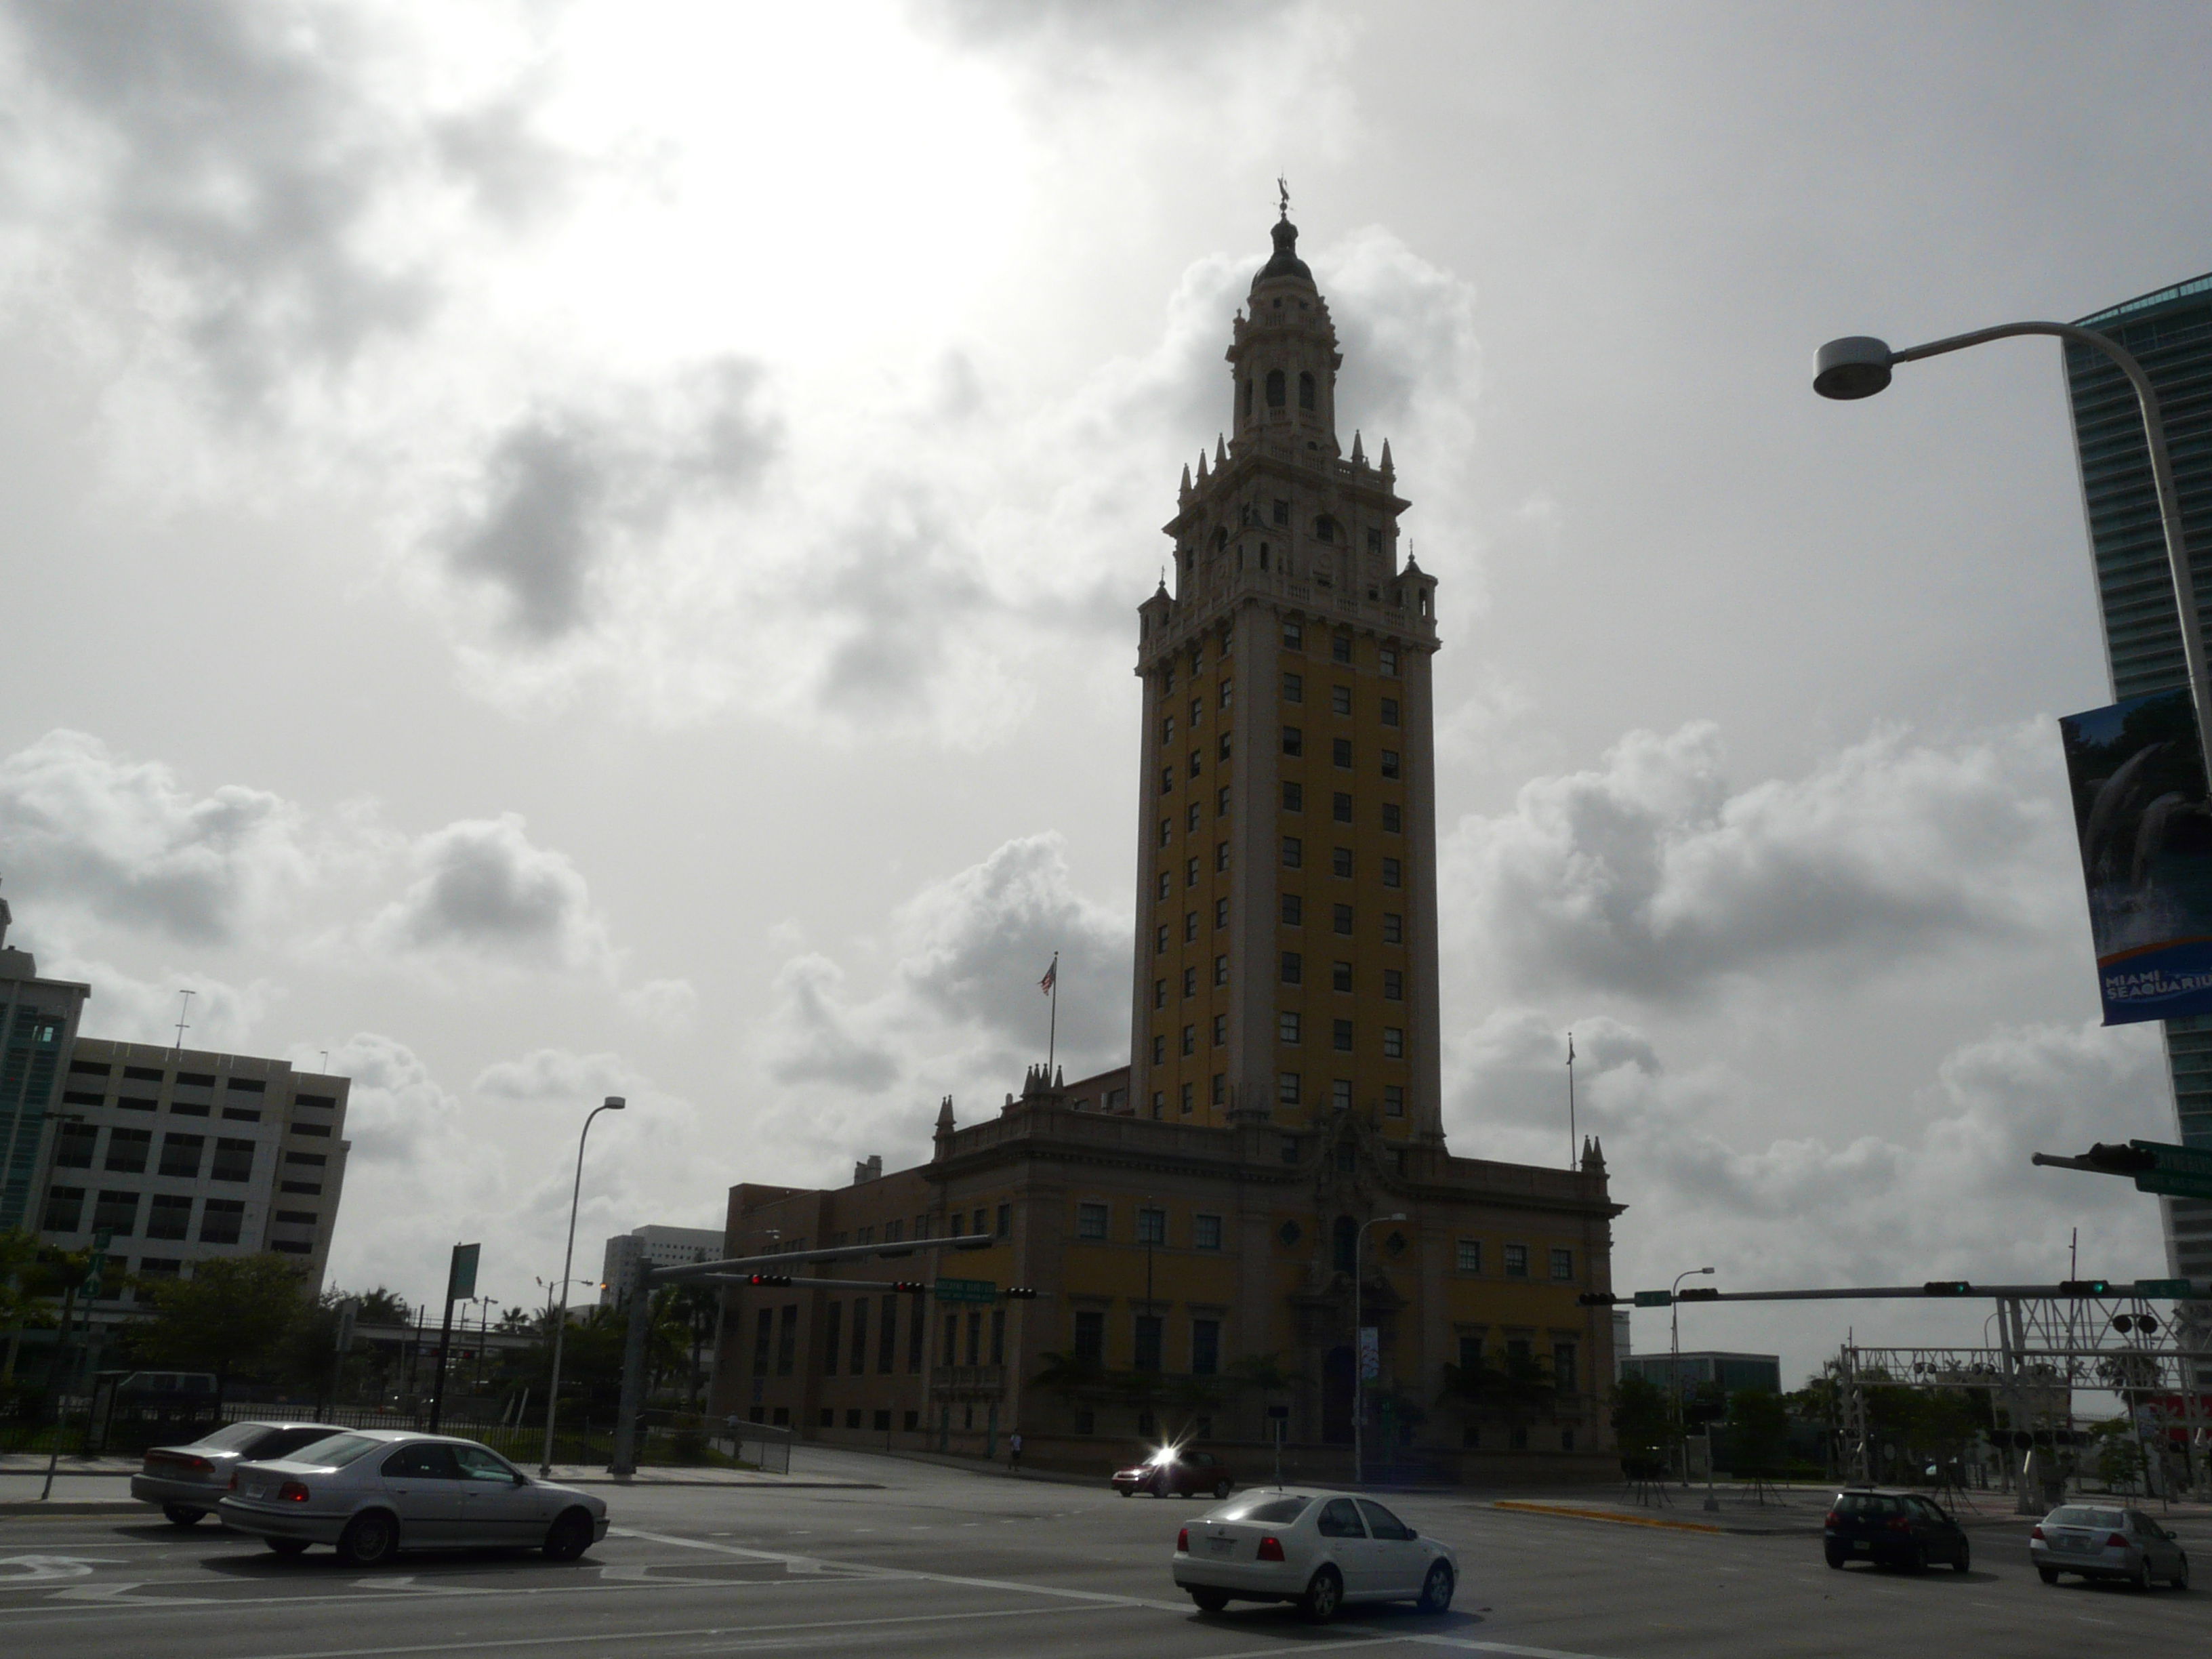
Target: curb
(16,1508)
(722,1485)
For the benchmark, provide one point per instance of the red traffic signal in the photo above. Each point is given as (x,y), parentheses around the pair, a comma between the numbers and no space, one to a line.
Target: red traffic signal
(915,1285)
(769,1279)
(1019,1293)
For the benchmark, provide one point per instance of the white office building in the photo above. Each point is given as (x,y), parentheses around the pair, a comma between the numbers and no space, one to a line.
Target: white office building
(660,1247)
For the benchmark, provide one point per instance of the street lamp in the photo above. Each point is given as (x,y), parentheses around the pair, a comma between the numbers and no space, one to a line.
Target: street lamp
(1859,366)
(1359,1357)
(1675,1360)
(612,1104)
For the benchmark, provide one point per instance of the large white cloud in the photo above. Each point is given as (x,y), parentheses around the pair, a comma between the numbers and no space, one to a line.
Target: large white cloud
(484,889)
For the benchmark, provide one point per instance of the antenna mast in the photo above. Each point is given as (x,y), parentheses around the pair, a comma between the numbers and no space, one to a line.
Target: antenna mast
(184,1010)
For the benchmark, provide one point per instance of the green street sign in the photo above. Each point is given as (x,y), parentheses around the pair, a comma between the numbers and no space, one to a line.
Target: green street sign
(967,1290)
(2175,1186)
(2175,1171)
(2179,1288)
(1653,1299)
(461,1273)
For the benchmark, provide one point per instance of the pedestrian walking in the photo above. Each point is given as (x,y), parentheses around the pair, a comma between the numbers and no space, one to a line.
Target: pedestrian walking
(1014,1454)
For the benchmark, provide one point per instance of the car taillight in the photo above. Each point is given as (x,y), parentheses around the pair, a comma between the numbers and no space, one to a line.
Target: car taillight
(1182,1541)
(292,1492)
(1898,1523)
(233,1481)
(2114,1540)
(1270,1549)
(1832,1520)
(2036,1532)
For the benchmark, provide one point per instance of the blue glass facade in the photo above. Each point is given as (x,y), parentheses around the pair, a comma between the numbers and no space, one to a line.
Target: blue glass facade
(2170,331)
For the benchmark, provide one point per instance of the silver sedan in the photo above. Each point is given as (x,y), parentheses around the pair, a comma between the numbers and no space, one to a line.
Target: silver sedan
(1317,1549)
(188,1481)
(2106,1540)
(371,1493)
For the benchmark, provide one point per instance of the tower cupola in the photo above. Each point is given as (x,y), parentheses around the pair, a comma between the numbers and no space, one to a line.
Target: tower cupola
(1284,356)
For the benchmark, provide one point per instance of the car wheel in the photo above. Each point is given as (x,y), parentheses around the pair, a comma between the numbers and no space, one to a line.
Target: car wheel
(2180,1579)
(1836,1558)
(1126,1491)
(2140,1578)
(1221,1487)
(182,1514)
(287,1548)
(369,1540)
(1437,1587)
(1965,1561)
(1210,1600)
(2048,1575)
(1324,1595)
(1916,1559)
(568,1537)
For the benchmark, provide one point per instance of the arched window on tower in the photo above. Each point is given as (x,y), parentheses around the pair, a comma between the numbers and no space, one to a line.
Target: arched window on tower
(1274,388)
(1325,528)
(1306,390)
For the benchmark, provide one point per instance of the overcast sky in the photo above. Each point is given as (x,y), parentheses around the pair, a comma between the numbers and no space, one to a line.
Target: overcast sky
(553,550)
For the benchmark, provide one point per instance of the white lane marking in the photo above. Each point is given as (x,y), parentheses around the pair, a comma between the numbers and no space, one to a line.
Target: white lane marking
(120,1595)
(34,1567)
(405,1584)
(1468,1645)
(480,1645)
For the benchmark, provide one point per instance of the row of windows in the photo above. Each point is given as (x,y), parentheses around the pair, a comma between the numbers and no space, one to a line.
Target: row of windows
(1145,1333)
(1340,863)
(1290,1030)
(1195,817)
(1093,1223)
(251,1085)
(1339,646)
(1294,801)
(1294,638)
(130,1150)
(1519,1352)
(1294,743)
(1515,1263)
(167,1217)
(1341,976)
(1290,1089)
(1340,698)
(1293,913)
(1197,712)
(176,1108)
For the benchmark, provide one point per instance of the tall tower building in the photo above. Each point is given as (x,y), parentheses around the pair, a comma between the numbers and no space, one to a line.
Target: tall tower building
(2171,332)
(37,1024)
(1286,950)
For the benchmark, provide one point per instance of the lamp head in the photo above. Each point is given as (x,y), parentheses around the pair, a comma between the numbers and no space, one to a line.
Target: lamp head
(1856,366)
(613,1104)
(1704,1270)
(1401,1216)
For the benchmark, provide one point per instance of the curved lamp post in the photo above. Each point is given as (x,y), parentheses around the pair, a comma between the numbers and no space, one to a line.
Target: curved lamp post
(1859,366)
(1358,1358)
(1674,1361)
(612,1104)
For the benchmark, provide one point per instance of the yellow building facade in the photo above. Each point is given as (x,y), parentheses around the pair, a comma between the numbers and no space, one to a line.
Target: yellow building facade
(1209,1231)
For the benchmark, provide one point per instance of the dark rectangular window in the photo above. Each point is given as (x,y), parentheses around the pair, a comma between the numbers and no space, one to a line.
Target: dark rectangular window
(179,1108)
(1394,820)
(222,1219)
(1006,1227)
(1394,929)
(1339,699)
(1394,1042)
(65,1209)
(1470,1349)
(1167,779)
(321,1131)
(833,1331)
(128,1150)
(73,1149)
(1293,910)
(1204,1347)
(169,1217)
(184,1079)
(180,1155)
(1294,741)
(1340,752)
(975,1338)
(1206,1232)
(1388,660)
(315,1160)
(1562,1367)
(1294,797)
(1287,1026)
(1339,648)
(857,1365)
(787,1338)
(1392,874)
(1220,913)
(1190,926)
(1282,515)
(917,1325)
(1389,711)
(1159,993)
(297,1218)
(1294,852)
(1340,807)
(1167,829)
(1393,1100)
(130,1105)
(147,1074)
(887,1336)
(1294,968)
(1516,1262)
(251,1085)
(242,1115)
(1089,1338)
(1148,1342)
(304,1188)
(233,1160)
(1389,762)
(1152,1226)
(90,1068)
(1220,1029)
(1340,1036)
(83,1098)
(1393,985)
(1220,856)
(1090,1221)
(764,1340)
(1221,1088)
(1189,1040)
(1340,860)
(1294,688)
(1341,917)
(1287,1090)
(998,1336)
(1160,940)
(1159,1049)
(1339,976)
(1294,637)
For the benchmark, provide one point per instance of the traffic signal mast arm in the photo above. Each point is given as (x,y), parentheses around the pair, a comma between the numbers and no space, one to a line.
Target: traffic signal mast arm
(2157,1166)
(2071,1289)
(745,1266)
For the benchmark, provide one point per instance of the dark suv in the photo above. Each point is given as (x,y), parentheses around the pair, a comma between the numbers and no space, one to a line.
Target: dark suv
(1894,1528)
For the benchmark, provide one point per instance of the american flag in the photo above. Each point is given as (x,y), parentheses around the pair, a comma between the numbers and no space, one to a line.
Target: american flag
(1051,977)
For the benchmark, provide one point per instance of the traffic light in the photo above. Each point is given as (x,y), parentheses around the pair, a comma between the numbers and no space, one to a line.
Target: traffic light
(769,1279)
(1947,1287)
(1598,1299)
(2118,1160)
(914,1285)
(2085,1287)
(1699,1293)
(1019,1293)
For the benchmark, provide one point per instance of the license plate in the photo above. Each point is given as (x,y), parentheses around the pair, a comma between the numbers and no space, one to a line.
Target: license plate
(1862,1545)
(1221,1546)
(2074,1546)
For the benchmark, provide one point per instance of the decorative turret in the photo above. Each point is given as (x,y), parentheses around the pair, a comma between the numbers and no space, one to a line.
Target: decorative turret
(944,1136)
(1359,455)
(1389,472)
(1284,357)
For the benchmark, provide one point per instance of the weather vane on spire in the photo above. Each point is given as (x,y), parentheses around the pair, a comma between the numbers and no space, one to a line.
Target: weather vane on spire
(1283,188)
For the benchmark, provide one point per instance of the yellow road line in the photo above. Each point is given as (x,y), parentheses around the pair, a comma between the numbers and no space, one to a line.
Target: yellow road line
(1603,1514)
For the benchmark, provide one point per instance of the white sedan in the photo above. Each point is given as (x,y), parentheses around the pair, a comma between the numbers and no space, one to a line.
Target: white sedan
(1318,1549)
(373,1492)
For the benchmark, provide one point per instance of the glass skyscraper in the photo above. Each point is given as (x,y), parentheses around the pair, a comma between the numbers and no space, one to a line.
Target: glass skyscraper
(2170,331)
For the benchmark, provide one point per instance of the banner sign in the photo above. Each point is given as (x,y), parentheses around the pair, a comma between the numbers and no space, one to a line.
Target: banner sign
(461,1274)
(1370,1353)
(2146,838)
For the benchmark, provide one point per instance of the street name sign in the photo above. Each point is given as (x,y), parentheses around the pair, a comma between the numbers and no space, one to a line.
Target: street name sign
(967,1290)
(2179,1288)
(1653,1299)
(2177,1171)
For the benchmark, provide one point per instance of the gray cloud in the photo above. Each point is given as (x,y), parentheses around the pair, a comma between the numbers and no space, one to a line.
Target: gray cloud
(244,151)
(816,1035)
(483,887)
(1654,876)
(84,830)
(564,489)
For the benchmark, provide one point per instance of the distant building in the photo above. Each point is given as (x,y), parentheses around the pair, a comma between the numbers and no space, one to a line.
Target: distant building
(184,1155)
(1622,1346)
(1734,1372)
(37,1023)
(660,1247)
(2170,330)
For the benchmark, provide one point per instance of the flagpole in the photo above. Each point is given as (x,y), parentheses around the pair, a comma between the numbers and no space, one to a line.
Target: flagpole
(1572,1145)
(1052,1026)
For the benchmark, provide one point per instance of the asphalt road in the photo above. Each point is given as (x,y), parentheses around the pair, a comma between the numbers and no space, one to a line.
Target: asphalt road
(943,1562)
